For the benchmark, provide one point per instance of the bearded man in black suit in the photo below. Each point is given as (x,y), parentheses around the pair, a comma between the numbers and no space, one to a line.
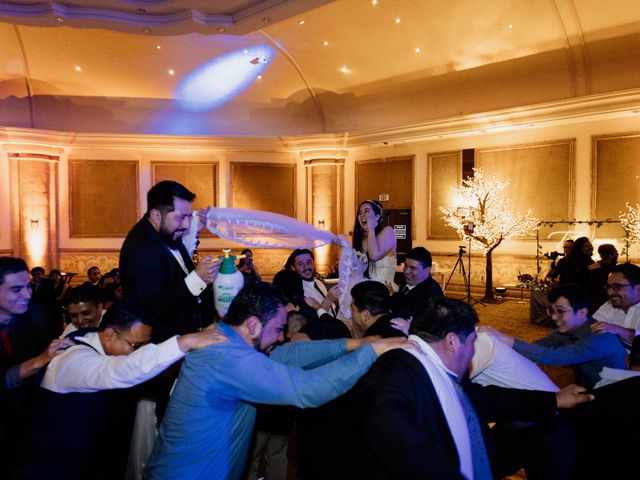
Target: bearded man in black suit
(156,268)
(420,287)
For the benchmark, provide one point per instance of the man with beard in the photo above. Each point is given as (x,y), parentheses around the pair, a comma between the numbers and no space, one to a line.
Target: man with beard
(156,268)
(621,314)
(315,292)
(207,430)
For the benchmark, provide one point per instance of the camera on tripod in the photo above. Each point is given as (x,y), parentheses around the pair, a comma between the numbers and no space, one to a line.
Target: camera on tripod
(462,249)
(553,256)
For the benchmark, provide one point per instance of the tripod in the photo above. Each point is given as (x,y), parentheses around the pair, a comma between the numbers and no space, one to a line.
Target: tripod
(466,277)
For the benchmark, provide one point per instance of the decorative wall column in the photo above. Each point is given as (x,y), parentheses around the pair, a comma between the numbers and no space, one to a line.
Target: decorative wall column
(34,217)
(325,197)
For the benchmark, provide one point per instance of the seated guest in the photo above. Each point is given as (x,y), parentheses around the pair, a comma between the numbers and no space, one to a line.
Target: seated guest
(418,416)
(83,306)
(621,314)
(599,272)
(413,297)
(25,336)
(370,310)
(93,276)
(207,428)
(84,402)
(572,343)
(248,269)
(315,291)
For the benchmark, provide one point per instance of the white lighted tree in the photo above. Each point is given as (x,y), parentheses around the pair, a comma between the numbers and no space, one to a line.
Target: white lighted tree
(630,220)
(483,204)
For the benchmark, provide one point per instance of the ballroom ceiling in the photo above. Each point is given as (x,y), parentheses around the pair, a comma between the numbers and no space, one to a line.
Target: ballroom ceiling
(305,66)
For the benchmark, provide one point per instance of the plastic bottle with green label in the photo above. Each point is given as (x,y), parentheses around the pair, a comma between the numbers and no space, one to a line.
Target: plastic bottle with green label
(228,283)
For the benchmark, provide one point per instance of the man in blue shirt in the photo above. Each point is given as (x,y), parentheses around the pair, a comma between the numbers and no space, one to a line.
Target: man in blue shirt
(207,428)
(572,343)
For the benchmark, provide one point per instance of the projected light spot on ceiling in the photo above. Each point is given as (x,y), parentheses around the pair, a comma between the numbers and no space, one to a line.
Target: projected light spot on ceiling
(221,79)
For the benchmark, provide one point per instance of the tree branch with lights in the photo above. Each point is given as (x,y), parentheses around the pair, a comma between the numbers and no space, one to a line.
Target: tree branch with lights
(483,214)
(631,222)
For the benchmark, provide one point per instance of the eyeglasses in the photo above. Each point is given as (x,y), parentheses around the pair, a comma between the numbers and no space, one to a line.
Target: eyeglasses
(616,287)
(557,311)
(134,346)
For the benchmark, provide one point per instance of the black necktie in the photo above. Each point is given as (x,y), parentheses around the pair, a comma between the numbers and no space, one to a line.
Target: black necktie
(405,290)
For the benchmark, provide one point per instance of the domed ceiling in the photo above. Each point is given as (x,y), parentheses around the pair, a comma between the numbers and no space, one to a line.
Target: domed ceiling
(302,67)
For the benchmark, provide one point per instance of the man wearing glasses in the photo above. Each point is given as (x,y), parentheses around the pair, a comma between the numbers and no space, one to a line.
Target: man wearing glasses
(85,406)
(621,314)
(573,342)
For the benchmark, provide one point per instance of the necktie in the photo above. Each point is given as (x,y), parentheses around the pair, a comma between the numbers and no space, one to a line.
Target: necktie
(481,466)
(5,340)
(317,287)
(405,289)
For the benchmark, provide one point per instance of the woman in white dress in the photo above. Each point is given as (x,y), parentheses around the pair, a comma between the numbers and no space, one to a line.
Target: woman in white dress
(378,243)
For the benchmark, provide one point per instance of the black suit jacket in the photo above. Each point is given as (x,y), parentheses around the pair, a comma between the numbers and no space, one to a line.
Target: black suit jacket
(416,299)
(152,276)
(400,429)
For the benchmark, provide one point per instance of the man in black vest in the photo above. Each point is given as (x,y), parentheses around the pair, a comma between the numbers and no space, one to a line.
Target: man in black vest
(84,411)
(412,298)
(156,268)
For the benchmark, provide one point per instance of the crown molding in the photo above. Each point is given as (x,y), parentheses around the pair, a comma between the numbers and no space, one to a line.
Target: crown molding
(590,108)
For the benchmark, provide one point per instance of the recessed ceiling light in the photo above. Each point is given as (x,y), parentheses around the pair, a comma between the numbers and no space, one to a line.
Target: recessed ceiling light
(146,30)
(397,20)
(344,69)
(417,49)
(245,51)
(78,68)
(301,22)
(59,19)
(325,43)
(510,26)
(171,72)
(374,2)
(158,47)
(259,77)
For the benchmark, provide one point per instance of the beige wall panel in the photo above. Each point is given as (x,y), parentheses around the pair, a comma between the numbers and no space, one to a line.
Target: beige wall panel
(392,176)
(260,186)
(103,197)
(615,172)
(200,178)
(445,172)
(541,178)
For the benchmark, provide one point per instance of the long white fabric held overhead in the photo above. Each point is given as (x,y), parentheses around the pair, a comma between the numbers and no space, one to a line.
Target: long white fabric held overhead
(256,228)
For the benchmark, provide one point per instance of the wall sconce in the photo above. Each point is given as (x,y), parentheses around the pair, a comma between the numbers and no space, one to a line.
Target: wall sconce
(321,224)
(35,224)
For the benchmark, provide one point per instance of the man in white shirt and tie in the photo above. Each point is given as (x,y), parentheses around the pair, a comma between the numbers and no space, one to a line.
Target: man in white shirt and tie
(315,291)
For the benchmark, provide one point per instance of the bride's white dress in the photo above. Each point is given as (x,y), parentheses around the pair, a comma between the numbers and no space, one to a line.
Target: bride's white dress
(352,267)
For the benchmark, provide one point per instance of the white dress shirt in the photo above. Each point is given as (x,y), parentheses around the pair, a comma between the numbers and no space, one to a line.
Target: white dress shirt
(82,369)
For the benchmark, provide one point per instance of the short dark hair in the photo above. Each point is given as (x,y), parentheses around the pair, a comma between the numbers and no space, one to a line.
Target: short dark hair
(91,268)
(54,271)
(371,295)
(259,300)
(630,271)
(160,196)
(290,283)
(296,253)
(420,254)
(10,265)
(442,316)
(123,315)
(83,294)
(606,249)
(577,296)
(37,269)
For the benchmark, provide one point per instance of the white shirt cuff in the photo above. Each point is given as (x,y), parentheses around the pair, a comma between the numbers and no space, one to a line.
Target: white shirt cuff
(194,283)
